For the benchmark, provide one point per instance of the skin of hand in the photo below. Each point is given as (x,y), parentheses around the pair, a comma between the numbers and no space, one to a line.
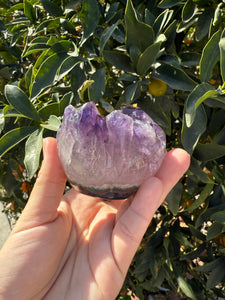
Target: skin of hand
(74,246)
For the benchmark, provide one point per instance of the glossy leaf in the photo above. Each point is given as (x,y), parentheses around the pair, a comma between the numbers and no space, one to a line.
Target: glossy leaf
(202,197)
(186,288)
(90,16)
(196,169)
(174,77)
(46,74)
(219,217)
(210,56)
(209,151)
(222,55)
(149,17)
(216,276)
(2,120)
(106,36)
(67,65)
(52,8)
(161,21)
(32,152)
(129,94)
(29,10)
(77,78)
(168,3)
(112,11)
(196,97)
(174,197)
(34,48)
(147,58)
(191,135)
(53,123)
(188,10)
(19,100)
(13,137)
(135,28)
(207,267)
(96,90)
(118,59)
(214,230)
(66,100)
(203,23)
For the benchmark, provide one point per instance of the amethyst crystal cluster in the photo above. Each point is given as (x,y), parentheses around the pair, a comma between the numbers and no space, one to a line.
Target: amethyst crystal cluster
(109,157)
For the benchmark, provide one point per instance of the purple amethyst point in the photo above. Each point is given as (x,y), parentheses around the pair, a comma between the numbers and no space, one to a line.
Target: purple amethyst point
(109,157)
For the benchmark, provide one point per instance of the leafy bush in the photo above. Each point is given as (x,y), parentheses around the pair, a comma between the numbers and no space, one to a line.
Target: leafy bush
(54,53)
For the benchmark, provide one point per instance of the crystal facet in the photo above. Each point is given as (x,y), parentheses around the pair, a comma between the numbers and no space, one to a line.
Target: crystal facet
(109,157)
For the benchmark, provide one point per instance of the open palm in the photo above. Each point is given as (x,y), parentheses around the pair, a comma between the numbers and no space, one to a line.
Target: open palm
(75,246)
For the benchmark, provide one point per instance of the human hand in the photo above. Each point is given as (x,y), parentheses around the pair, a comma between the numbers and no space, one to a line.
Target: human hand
(76,246)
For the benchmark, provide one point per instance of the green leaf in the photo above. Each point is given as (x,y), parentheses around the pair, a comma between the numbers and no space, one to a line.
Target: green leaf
(46,73)
(112,11)
(210,56)
(186,288)
(190,135)
(52,8)
(207,267)
(107,33)
(29,11)
(53,123)
(90,16)
(118,59)
(107,106)
(33,148)
(216,276)
(147,58)
(209,151)
(176,78)
(28,77)
(161,21)
(214,230)
(19,100)
(48,24)
(67,65)
(188,10)
(13,137)
(97,89)
(202,197)
(40,40)
(190,59)
(168,3)
(129,94)
(137,33)
(222,55)
(149,17)
(49,109)
(77,78)
(195,98)
(196,169)
(2,120)
(218,15)
(36,48)
(66,100)
(219,217)
(174,197)
(203,23)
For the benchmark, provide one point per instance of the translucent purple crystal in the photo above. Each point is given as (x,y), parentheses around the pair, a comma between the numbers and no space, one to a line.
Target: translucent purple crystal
(109,157)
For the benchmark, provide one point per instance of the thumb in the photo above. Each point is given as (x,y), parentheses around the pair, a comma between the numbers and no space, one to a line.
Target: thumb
(48,188)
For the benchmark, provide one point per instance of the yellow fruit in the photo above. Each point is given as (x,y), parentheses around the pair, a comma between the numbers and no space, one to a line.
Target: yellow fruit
(157,87)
